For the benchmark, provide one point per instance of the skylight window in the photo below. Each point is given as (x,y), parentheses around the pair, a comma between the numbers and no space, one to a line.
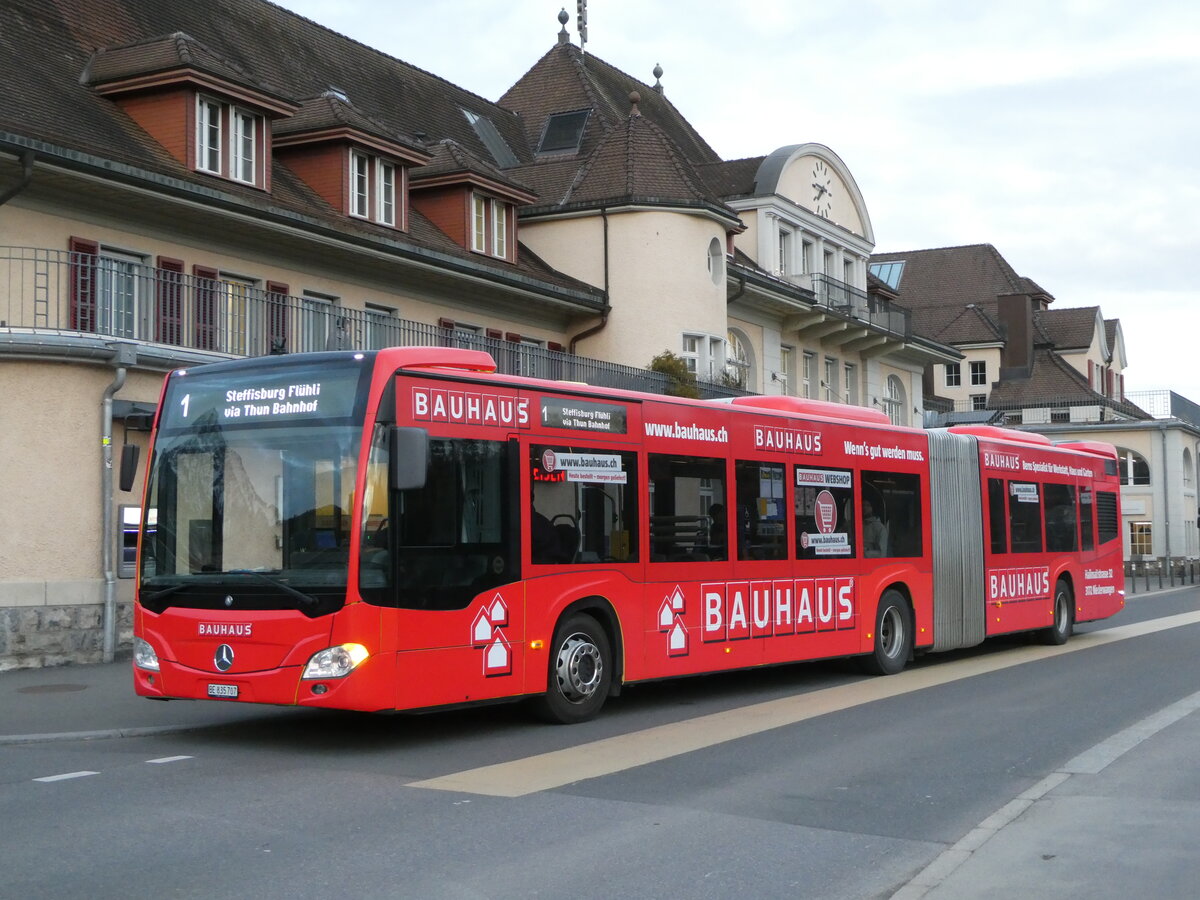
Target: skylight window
(889,273)
(564,132)
(495,144)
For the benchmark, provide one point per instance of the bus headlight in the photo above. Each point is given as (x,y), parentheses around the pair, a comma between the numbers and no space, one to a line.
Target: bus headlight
(335,662)
(144,656)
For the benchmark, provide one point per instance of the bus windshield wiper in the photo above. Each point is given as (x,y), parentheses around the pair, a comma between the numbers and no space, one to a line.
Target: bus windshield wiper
(161,593)
(308,600)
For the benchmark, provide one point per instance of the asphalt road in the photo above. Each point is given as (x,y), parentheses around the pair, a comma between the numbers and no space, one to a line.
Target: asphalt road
(803,781)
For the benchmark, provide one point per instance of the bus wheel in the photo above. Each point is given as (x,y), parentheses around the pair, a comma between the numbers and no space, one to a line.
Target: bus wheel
(1064,617)
(580,672)
(893,636)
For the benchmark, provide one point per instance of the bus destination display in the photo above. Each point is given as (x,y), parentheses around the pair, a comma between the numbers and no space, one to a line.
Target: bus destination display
(273,397)
(580,415)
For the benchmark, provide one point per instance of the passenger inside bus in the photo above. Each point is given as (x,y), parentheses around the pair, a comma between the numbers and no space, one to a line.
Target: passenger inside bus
(874,532)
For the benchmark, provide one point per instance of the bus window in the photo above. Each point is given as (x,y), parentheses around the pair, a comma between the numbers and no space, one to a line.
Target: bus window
(1025,517)
(451,535)
(583,508)
(891,514)
(997,518)
(687,509)
(1086,530)
(761,524)
(1060,518)
(1106,516)
(824,513)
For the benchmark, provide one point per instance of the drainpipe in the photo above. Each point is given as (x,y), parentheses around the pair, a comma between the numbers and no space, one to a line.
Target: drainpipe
(599,326)
(124,354)
(23,181)
(1162,433)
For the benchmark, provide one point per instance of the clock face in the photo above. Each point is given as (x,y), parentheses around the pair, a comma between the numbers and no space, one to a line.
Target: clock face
(822,185)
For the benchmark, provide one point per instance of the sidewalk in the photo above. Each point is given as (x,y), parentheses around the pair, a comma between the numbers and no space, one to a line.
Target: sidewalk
(97,701)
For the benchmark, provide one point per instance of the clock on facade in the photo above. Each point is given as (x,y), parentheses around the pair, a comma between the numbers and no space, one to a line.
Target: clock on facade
(822,189)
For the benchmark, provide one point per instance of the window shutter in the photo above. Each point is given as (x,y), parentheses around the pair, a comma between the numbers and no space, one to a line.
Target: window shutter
(168,301)
(82,270)
(552,345)
(512,337)
(1108,382)
(495,334)
(206,292)
(1091,374)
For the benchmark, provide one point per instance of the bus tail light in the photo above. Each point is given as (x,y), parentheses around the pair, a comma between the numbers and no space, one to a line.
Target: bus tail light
(144,656)
(335,662)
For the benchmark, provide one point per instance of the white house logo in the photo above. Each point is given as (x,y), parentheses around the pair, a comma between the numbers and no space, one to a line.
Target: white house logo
(487,634)
(223,658)
(670,622)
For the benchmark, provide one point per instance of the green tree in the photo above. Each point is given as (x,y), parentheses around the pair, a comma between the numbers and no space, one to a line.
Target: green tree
(680,382)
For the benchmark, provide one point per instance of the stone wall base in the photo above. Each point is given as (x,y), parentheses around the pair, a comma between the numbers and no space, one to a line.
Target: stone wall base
(35,636)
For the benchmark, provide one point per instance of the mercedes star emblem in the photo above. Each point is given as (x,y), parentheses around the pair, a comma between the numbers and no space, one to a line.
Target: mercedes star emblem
(223,658)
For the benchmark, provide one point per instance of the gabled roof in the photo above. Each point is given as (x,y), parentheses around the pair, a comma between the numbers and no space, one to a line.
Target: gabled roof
(1054,382)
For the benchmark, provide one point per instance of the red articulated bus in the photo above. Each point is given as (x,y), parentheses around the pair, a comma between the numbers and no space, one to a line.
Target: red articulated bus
(405,529)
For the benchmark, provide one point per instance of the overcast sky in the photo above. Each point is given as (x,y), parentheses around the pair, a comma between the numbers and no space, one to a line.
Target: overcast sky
(1066,134)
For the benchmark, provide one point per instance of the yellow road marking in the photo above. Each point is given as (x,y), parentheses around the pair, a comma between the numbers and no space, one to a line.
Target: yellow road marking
(546,771)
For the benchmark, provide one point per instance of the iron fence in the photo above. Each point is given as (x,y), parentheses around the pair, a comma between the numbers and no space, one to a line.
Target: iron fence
(71,292)
(858,304)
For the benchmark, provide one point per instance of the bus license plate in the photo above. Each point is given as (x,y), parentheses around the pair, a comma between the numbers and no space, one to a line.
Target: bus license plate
(225,691)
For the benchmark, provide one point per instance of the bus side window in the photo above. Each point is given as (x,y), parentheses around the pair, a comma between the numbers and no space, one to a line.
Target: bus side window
(997,518)
(1060,518)
(891,514)
(1025,516)
(824,512)
(1086,529)
(687,509)
(761,524)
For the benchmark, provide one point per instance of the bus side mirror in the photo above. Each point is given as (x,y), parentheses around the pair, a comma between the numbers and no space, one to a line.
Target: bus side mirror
(409,453)
(129,465)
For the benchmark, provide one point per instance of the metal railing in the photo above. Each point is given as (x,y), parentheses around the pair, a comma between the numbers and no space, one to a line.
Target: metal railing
(66,292)
(858,304)
(1166,405)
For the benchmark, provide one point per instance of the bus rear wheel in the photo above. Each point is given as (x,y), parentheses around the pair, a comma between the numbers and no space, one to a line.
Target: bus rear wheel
(1064,617)
(893,636)
(580,672)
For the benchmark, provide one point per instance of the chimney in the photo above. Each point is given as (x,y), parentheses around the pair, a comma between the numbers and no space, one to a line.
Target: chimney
(1016,321)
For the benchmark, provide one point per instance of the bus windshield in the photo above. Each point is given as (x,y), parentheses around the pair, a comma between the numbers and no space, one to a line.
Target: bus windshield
(256,503)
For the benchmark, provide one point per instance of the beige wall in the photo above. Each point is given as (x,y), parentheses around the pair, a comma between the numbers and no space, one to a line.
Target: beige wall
(961,395)
(659,285)
(796,183)
(50,517)
(573,246)
(33,225)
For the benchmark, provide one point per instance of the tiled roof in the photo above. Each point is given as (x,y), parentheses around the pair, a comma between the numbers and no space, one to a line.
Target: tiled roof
(451,157)
(1054,382)
(636,160)
(566,79)
(331,111)
(228,39)
(165,54)
(731,178)
(1072,328)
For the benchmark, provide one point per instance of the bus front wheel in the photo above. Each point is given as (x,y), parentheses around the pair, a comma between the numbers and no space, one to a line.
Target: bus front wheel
(580,672)
(893,636)
(1064,617)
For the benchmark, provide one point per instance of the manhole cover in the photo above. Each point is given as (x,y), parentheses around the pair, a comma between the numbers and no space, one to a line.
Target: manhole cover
(52,689)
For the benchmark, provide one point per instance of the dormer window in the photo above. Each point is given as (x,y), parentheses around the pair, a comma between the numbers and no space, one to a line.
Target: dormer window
(228,141)
(373,188)
(489,226)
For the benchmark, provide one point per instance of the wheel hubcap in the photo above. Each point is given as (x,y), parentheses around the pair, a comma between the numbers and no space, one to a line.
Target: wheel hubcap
(1060,612)
(579,668)
(891,632)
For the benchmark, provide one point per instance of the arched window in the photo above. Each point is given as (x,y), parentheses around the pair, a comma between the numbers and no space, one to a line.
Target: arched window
(739,360)
(716,261)
(896,402)
(1133,466)
(1187,467)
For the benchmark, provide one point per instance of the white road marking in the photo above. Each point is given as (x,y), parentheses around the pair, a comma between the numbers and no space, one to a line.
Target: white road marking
(65,776)
(167,759)
(546,771)
(1090,762)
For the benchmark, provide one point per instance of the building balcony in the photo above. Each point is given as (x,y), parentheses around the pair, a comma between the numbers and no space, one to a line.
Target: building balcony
(854,303)
(76,298)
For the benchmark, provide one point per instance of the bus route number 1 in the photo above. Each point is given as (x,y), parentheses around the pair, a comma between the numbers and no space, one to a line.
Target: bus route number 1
(184,401)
